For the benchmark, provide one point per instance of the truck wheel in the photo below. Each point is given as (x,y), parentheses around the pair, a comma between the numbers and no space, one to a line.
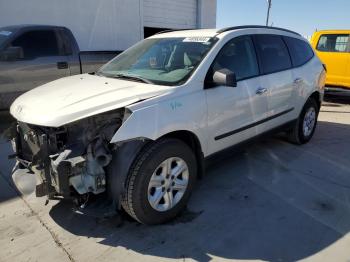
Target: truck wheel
(160,182)
(305,126)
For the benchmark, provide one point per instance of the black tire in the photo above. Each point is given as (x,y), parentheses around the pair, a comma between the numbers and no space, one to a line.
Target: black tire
(296,134)
(135,199)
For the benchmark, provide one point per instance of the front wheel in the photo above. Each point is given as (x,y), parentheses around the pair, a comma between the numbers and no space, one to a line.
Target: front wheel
(305,126)
(160,182)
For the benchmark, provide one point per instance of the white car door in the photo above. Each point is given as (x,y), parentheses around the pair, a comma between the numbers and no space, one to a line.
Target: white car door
(233,112)
(277,79)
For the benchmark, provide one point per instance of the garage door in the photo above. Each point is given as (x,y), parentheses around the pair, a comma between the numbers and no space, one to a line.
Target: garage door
(179,14)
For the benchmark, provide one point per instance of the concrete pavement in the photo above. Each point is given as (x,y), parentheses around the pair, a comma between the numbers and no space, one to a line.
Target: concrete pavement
(271,201)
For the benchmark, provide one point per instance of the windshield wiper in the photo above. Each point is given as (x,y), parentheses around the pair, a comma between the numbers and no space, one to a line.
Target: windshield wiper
(132,77)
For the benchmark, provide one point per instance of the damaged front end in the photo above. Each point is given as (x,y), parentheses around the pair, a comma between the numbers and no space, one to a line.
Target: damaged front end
(67,161)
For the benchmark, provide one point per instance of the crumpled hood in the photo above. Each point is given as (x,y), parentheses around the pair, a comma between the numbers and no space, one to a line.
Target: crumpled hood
(72,98)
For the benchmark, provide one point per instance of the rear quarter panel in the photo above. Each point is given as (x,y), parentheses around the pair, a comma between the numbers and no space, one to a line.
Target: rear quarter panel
(313,75)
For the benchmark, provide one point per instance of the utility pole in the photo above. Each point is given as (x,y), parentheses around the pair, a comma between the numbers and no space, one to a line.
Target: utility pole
(269,3)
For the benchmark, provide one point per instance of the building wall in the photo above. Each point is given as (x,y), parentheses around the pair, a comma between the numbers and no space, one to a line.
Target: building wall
(206,17)
(97,25)
(109,24)
(180,14)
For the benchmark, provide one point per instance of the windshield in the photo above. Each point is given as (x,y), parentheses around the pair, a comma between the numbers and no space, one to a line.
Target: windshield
(4,35)
(164,61)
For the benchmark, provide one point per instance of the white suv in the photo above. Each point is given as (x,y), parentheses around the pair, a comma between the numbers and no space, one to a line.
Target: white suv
(141,127)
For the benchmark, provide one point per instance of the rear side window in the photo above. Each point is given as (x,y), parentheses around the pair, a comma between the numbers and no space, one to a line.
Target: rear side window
(300,51)
(238,55)
(38,44)
(273,53)
(333,43)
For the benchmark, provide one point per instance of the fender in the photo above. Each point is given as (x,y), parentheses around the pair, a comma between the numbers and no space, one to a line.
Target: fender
(186,112)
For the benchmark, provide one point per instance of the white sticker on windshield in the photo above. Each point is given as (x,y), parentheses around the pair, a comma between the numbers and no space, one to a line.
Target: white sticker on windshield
(198,39)
(5,33)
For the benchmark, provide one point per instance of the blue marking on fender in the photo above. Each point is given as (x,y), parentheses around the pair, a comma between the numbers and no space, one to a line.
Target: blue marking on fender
(175,105)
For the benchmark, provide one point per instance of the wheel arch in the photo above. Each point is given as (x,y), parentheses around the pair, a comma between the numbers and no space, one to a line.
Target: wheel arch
(317,97)
(129,151)
(193,142)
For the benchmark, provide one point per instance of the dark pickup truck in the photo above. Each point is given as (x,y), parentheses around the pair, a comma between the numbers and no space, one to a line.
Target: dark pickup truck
(32,55)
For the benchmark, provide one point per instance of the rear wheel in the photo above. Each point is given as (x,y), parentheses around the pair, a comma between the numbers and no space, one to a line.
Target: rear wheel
(305,126)
(160,182)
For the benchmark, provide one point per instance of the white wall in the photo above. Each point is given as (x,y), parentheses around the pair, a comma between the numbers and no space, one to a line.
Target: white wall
(206,17)
(109,24)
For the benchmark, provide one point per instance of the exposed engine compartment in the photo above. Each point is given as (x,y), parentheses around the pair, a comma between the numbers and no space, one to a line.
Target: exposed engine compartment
(71,159)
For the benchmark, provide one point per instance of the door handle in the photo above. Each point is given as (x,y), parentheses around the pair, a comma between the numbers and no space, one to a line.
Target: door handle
(261,90)
(298,80)
(62,65)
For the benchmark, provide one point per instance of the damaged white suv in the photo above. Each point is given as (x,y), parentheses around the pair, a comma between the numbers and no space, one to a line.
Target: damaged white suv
(141,127)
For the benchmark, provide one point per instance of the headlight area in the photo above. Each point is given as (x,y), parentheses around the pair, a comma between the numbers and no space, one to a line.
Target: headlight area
(69,160)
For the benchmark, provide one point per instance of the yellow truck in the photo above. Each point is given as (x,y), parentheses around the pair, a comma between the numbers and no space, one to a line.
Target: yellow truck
(333,48)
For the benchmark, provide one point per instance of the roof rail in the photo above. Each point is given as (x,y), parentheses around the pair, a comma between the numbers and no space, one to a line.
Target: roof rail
(254,26)
(173,30)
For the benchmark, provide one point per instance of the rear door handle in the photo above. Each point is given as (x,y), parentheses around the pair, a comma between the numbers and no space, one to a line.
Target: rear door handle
(261,90)
(62,65)
(298,80)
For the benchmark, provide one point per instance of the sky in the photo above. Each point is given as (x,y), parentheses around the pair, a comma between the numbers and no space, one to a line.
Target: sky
(302,16)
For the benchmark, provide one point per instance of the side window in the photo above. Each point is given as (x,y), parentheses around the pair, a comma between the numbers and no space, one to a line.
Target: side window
(238,55)
(273,53)
(300,51)
(65,42)
(333,43)
(37,44)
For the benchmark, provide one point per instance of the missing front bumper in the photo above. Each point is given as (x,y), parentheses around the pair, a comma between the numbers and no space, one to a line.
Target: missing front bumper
(66,173)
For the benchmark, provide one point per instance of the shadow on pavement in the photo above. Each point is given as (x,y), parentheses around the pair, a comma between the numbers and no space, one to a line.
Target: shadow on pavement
(7,188)
(254,204)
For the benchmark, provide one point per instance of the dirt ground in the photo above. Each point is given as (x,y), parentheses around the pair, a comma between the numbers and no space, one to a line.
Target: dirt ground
(271,201)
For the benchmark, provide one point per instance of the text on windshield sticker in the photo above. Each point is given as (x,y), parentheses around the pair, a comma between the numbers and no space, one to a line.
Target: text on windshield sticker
(197,39)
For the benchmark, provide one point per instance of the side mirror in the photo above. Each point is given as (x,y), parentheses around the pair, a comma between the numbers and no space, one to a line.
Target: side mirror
(224,77)
(12,53)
